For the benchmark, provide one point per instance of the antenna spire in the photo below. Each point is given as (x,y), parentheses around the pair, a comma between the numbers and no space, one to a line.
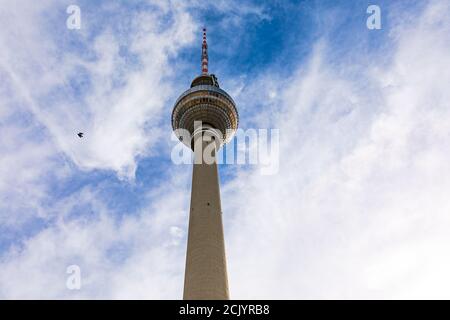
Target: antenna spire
(204,54)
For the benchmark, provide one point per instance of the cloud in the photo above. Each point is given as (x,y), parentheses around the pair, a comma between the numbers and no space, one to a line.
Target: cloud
(117,104)
(359,208)
(136,256)
(49,93)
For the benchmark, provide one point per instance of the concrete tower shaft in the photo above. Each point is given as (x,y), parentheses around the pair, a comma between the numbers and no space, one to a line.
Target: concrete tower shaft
(206,269)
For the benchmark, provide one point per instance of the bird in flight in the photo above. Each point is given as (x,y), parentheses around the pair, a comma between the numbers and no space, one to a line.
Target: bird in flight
(80,134)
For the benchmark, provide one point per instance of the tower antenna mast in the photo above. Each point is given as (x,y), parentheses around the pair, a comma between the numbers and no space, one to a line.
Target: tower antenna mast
(204,54)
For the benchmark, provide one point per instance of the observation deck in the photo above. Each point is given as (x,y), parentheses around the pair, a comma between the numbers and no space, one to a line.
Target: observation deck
(205,102)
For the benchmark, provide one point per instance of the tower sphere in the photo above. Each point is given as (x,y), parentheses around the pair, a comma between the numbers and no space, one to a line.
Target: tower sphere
(207,103)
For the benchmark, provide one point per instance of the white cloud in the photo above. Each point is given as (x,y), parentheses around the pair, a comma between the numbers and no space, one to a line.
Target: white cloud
(40,116)
(120,113)
(360,207)
(130,257)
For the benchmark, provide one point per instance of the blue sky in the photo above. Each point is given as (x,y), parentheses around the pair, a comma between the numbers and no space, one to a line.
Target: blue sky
(363,144)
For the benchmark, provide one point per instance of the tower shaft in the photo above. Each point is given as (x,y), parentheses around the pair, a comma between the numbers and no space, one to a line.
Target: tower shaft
(206,271)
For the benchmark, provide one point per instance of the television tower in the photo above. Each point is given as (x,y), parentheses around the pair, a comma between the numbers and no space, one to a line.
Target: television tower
(210,117)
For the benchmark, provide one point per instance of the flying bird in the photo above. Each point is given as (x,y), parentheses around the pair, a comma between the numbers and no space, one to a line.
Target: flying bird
(80,134)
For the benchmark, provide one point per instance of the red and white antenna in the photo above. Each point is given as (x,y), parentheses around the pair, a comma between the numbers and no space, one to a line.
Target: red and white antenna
(204,54)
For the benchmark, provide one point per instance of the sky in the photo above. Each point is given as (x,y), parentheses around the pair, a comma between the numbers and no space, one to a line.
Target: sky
(359,207)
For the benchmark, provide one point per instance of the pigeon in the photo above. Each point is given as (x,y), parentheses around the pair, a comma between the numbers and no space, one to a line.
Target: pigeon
(80,134)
